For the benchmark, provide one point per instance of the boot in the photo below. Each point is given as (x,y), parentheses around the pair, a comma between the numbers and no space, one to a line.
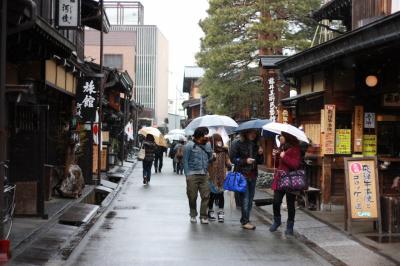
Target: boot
(289,228)
(276,224)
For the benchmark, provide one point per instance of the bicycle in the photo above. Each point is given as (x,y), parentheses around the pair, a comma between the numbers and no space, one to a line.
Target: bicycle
(8,202)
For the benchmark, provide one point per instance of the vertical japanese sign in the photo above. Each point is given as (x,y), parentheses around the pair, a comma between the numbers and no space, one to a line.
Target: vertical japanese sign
(343,141)
(358,128)
(68,13)
(369,120)
(271,99)
(86,98)
(329,129)
(362,188)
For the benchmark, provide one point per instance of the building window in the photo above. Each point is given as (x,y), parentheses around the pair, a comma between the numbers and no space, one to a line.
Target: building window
(113,61)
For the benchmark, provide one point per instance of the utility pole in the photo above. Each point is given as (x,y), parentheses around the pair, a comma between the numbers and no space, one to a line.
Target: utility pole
(3,121)
(99,151)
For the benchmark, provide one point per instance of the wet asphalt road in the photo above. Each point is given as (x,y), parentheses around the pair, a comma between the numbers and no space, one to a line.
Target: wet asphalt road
(149,225)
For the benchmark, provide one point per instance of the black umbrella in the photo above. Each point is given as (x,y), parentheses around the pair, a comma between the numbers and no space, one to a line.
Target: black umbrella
(252,124)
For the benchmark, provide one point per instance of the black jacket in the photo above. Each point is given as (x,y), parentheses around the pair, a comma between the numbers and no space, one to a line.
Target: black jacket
(242,150)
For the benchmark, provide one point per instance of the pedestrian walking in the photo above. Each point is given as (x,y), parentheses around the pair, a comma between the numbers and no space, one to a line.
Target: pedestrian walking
(172,154)
(179,150)
(217,171)
(246,155)
(158,158)
(287,158)
(150,148)
(196,158)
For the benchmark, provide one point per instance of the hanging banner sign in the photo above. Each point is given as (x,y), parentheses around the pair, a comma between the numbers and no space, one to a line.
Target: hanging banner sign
(68,14)
(362,188)
(329,128)
(343,141)
(369,120)
(86,98)
(358,128)
(369,145)
(271,99)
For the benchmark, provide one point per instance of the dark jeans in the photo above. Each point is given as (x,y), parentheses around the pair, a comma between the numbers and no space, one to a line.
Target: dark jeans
(158,163)
(179,167)
(218,198)
(290,200)
(147,169)
(247,200)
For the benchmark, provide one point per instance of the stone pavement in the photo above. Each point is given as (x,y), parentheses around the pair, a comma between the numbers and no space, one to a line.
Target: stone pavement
(149,225)
(47,240)
(330,240)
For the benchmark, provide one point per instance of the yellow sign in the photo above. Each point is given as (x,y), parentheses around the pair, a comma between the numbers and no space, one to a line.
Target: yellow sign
(362,188)
(343,141)
(369,145)
(358,128)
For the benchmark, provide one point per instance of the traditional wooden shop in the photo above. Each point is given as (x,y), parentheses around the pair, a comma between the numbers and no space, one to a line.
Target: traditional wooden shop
(349,102)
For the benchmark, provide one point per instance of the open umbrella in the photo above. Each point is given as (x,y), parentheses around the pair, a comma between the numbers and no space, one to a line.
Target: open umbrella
(252,124)
(278,128)
(158,136)
(177,131)
(211,121)
(175,136)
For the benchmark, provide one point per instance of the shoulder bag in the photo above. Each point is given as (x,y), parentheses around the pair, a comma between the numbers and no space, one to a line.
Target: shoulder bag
(292,181)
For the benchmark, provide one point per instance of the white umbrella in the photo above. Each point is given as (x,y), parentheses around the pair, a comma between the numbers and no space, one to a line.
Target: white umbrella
(176,136)
(177,131)
(278,128)
(211,121)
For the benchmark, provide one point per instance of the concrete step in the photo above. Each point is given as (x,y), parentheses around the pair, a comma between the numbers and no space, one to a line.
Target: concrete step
(108,184)
(79,214)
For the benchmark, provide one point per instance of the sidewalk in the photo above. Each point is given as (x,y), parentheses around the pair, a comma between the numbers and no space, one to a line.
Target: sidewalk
(344,249)
(35,241)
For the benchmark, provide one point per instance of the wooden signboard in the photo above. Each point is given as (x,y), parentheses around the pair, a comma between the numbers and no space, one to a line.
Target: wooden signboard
(95,160)
(343,141)
(329,128)
(104,159)
(362,191)
(358,128)
(369,145)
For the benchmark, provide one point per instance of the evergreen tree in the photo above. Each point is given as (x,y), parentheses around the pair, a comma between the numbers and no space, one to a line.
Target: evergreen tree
(230,47)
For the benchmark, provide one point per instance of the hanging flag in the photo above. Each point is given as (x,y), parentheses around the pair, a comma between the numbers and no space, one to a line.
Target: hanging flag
(129,130)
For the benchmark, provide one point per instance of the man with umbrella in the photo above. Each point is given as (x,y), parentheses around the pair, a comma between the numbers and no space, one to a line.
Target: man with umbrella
(196,158)
(246,155)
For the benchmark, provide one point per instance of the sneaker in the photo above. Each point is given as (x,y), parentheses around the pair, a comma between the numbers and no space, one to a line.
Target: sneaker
(193,220)
(144,180)
(221,215)
(211,216)
(204,221)
(248,226)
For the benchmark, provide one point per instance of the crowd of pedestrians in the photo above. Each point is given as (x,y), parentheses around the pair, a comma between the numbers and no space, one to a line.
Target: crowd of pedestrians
(205,161)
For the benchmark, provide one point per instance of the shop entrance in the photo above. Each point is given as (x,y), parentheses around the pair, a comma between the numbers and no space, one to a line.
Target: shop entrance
(28,154)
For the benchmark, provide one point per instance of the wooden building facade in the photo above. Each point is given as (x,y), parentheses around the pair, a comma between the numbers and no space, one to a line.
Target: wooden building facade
(349,95)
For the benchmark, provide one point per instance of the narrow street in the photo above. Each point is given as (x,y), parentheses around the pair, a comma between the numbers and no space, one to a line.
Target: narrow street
(149,225)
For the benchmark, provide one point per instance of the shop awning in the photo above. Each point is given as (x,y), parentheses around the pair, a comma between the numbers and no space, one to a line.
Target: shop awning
(91,16)
(191,103)
(385,31)
(48,34)
(292,101)
(269,61)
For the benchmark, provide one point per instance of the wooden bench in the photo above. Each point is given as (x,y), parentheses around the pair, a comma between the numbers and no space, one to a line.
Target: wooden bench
(311,192)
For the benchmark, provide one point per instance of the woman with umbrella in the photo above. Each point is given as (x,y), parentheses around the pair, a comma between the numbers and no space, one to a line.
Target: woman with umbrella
(287,158)
(217,171)
(150,147)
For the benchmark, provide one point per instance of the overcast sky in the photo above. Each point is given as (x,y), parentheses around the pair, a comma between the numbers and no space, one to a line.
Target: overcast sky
(178,21)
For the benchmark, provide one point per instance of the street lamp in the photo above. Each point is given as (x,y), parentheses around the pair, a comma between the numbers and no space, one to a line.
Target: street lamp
(254,110)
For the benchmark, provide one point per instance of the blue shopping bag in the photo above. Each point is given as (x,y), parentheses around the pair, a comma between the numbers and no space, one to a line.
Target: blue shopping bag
(235,182)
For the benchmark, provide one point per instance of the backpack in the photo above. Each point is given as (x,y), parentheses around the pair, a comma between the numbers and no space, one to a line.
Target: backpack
(179,153)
